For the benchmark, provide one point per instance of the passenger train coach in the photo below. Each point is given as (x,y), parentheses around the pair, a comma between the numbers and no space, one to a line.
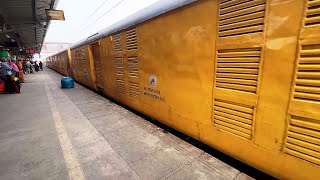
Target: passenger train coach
(242,76)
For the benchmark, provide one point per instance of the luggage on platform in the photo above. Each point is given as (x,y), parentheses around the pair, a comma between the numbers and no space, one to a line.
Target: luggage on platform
(67,82)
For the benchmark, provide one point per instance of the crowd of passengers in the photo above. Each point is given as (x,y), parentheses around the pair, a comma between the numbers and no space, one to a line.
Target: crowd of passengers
(13,71)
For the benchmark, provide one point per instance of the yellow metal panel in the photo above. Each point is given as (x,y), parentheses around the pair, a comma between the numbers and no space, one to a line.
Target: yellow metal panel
(83,66)
(108,66)
(180,57)
(276,163)
(241,76)
(279,56)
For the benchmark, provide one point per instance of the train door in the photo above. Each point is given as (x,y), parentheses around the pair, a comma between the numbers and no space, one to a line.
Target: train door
(97,64)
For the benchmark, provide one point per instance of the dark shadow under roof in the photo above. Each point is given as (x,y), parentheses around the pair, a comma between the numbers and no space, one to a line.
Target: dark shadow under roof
(23,23)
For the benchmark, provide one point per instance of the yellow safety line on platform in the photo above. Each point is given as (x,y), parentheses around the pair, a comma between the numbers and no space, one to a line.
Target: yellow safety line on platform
(70,155)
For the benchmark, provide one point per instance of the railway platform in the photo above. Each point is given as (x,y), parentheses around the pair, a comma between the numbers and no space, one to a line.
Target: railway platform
(51,133)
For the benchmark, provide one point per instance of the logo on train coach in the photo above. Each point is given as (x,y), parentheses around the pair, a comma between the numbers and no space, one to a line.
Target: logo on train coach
(153,80)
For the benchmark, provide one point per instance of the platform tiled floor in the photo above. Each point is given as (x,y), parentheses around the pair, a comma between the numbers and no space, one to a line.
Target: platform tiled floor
(96,139)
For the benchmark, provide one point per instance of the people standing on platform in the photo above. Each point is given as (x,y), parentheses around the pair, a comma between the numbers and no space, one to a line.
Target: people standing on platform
(41,66)
(7,76)
(15,68)
(25,66)
(36,66)
(5,67)
(21,74)
(31,66)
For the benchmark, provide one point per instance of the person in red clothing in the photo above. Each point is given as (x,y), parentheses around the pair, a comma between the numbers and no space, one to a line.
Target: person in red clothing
(10,86)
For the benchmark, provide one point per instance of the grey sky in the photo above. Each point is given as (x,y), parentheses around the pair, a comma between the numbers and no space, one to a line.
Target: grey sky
(84,17)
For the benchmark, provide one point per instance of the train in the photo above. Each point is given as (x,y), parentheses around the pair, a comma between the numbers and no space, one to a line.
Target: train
(242,76)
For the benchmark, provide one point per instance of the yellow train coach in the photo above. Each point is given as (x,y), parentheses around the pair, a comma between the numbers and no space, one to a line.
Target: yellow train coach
(242,76)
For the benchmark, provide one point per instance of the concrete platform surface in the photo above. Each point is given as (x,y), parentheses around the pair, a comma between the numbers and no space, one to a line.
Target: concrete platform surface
(51,133)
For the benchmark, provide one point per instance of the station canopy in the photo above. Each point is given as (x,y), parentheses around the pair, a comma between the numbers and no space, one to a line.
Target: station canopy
(23,23)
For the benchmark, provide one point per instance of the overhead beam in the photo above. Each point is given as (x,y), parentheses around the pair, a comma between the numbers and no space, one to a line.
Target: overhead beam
(23,28)
(1,22)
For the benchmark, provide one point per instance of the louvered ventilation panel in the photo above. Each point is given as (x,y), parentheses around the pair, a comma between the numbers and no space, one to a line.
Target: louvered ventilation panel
(82,58)
(131,36)
(303,139)
(98,68)
(119,65)
(121,87)
(134,90)
(82,52)
(313,13)
(233,117)
(117,44)
(133,67)
(240,17)
(84,67)
(238,69)
(99,73)
(307,84)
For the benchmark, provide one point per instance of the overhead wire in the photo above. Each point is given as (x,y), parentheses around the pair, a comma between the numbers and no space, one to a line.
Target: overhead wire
(116,5)
(94,12)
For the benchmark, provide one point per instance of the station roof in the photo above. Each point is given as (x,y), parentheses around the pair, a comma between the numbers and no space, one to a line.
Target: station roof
(23,23)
